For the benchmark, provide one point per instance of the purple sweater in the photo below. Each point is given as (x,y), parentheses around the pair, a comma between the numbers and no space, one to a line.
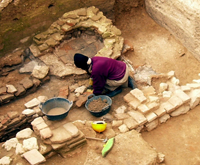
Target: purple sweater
(104,68)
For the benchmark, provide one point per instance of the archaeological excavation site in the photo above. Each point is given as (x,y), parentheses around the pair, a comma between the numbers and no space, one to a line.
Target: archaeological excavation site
(50,112)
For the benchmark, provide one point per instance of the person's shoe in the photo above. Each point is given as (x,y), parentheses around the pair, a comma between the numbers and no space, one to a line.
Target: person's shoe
(115,92)
(131,83)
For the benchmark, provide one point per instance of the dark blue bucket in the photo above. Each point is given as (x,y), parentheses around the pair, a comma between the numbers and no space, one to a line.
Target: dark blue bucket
(56,102)
(105,110)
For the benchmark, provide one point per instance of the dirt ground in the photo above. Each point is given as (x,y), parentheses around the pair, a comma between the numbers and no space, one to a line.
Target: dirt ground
(179,138)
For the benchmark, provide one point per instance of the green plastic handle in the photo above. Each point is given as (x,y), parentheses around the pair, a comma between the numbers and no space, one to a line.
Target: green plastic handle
(108,146)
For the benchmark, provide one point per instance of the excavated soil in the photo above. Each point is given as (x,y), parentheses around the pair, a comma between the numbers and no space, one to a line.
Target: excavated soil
(179,138)
(97,105)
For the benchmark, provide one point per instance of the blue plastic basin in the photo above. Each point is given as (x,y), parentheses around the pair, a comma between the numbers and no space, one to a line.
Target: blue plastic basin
(56,102)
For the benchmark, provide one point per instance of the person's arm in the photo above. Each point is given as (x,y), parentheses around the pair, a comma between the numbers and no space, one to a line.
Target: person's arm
(98,84)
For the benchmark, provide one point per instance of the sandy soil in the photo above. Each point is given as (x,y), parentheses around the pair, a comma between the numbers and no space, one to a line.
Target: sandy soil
(153,45)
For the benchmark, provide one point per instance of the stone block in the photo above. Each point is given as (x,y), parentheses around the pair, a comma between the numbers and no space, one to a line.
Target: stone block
(30,143)
(134,103)
(149,90)
(121,109)
(34,157)
(121,116)
(37,120)
(13,114)
(24,134)
(82,99)
(131,123)
(152,125)
(185,88)
(123,128)
(70,127)
(139,117)
(151,116)
(138,94)
(168,107)
(153,106)
(28,112)
(116,123)
(3,90)
(26,82)
(181,110)
(164,118)
(7,97)
(175,101)
(160,111)
(20,90)
(32,103)
(193,85)
(143,108)
(45,133)
(11,88)
(109,133)
(60,135)
(128,97)
(195,98)
(40,126)
(182,95)
(154,99)
(80,89)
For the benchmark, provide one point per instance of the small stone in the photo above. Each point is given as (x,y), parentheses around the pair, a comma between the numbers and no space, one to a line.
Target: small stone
(40,71)
(80,89)
(5,160)
(9,144)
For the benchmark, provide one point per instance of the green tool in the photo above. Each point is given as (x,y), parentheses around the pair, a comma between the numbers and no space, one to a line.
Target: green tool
(108,146)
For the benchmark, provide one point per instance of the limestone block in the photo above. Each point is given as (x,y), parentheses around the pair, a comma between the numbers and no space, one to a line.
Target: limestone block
(42,98)
(123,128)
(34,157)
(46,133)
(128,97)
(149,90)
(3,90)
(26,82)
(175,101)
(168,107)
(35,51)
(80,89)
(131,123)
(116,123)
(134,103)
(143,108)
(163,87)
(152,125)
(121,116)
(40,71)
(181,110)
(28,112)
(175,81)
(185,88)
(40,126)
(11,88)
(154,99)
(32,103)
(139,117)
(70,127)
(109,133)
(153,106)
(167,94)
(30,143)
(138,94)
(60,135)
(164,118)
(5,160)
(20,90)
(182,95)
(24,134)
(193,85)
(121,109)
(37,120)
(9,144)
(19,149)
(13,114)
(160,111)
(151,116)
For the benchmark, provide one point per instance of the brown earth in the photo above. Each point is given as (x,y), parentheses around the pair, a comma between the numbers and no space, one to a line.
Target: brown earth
(179,138)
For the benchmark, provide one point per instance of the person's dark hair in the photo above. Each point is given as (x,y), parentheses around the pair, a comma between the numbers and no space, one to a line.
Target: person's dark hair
(80,61)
